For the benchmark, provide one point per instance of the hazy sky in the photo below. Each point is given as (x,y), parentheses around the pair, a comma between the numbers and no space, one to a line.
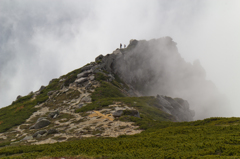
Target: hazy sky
(42,39)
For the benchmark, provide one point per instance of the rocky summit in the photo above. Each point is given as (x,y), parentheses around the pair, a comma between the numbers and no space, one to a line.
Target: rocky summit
(123,93)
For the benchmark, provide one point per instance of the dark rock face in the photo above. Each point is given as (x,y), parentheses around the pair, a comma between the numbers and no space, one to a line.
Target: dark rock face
(98,58)
(41,88)
(19,96)
(177,107)
(155,67)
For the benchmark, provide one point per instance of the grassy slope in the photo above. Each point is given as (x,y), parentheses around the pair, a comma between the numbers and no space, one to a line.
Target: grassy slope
(20,110)
(209,138)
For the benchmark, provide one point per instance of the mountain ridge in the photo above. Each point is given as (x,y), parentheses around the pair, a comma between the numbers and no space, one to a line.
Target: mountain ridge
(105,99)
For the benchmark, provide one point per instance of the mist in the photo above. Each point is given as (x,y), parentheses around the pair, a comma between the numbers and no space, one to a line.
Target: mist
(41,40)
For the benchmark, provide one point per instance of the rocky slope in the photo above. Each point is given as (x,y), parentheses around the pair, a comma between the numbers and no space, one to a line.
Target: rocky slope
(91,102)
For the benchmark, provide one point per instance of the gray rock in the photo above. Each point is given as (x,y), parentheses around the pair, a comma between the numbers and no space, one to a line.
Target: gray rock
(53,114)
(92,77)
(50,93)
(27,138)
(98,58)
(81,80)
(177,107)
(88,86)
(36,93)
(84,74)
(52,131)
(111,76)
(86,99)
(40,123)
(41,118)
(41,88)
(85,68)
(118,113)
(41,132)
(80,105)
(107,62)
(38,136)
(98,134)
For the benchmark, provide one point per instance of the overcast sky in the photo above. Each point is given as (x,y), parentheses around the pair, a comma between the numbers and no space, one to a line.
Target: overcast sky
(42,39)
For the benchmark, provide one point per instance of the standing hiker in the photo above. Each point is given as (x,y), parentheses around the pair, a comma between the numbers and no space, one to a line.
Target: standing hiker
(120,45)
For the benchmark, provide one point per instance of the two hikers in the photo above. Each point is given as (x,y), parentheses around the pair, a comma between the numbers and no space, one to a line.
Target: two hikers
(121,45)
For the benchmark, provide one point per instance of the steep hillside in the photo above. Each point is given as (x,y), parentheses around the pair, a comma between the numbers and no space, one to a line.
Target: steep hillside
(101,110)
(87,102)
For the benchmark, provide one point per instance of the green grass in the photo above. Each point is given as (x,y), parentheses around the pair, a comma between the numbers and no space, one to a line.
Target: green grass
(101,77)
(177,140)
(162,138)
(106,90)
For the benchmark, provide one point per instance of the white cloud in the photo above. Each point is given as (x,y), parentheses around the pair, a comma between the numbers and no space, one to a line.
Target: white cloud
(44,39)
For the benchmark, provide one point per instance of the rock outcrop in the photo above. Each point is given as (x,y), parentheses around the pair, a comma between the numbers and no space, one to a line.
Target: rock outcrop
(177,107)
(155,67)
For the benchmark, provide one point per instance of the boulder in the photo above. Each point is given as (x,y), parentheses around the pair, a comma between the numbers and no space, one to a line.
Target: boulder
(27,138)
(43,122)
(52,131)
(53,114)
(84,74)
(41,132)
(86,99)
(81,80)
(41,118)
(85,68)
(118,113)
(92,77)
